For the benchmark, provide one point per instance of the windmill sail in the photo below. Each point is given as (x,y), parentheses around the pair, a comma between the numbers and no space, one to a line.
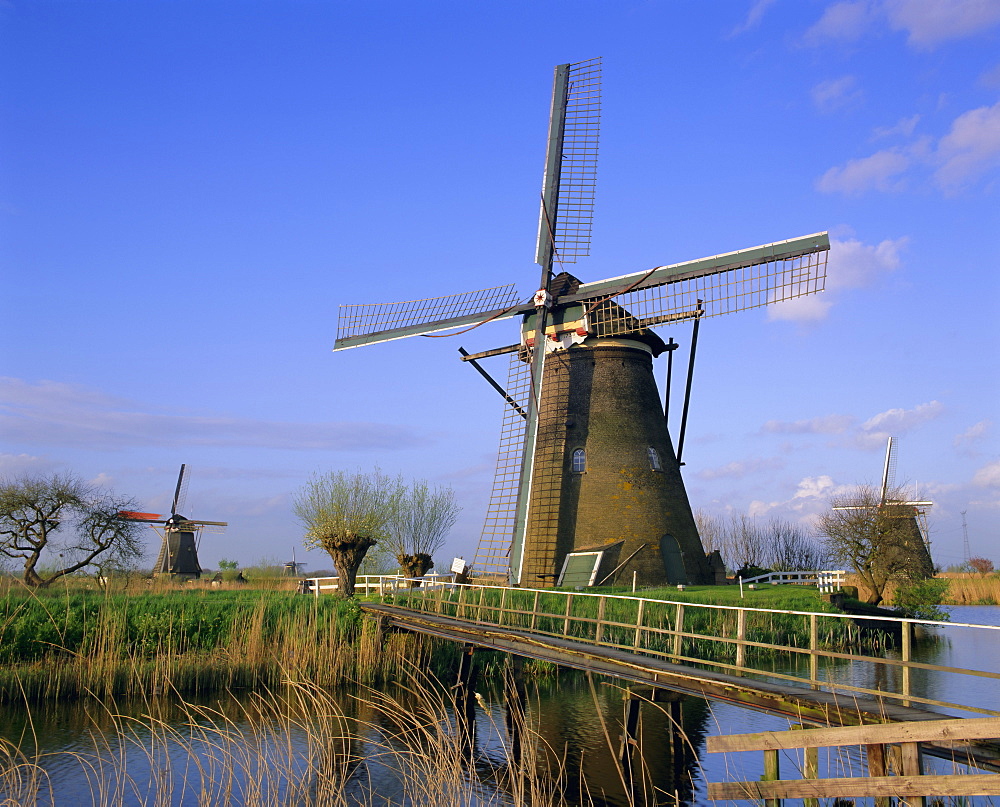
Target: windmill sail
(567,210)
(493,555)
(382,322)
(709,287)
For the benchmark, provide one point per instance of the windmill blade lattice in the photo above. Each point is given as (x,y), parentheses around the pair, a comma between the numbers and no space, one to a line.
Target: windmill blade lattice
(568,212)
(493,555)
(381,322)
(724,285)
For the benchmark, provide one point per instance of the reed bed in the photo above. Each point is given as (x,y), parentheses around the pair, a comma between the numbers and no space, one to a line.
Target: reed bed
(54,646)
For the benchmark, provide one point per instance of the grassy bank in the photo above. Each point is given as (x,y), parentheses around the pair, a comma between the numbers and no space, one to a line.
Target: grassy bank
(60,645)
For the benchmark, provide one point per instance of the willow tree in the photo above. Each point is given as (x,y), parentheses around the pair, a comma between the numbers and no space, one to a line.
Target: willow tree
(420,526)
(346,514)
(58,525)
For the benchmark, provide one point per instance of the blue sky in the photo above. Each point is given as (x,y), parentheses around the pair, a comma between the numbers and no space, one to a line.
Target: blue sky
(188,190)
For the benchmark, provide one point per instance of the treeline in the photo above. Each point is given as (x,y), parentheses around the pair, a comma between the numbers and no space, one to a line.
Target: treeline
(747,543)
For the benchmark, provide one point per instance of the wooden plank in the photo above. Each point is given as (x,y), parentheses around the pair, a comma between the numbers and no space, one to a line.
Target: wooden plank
(980,728)
(978,784)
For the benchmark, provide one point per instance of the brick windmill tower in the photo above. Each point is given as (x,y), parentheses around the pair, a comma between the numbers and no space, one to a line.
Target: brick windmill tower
(588,485)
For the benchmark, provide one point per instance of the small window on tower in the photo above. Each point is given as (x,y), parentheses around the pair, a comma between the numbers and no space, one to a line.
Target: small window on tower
(654,459)
(579,461)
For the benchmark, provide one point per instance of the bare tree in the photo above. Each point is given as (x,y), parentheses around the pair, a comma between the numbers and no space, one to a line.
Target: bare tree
(879,541)
(63,517)
(422,522)
(347,514)
(790,549)
(746,543)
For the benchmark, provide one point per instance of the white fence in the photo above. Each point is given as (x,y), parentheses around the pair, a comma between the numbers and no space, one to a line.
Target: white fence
(825,581)
(377,583)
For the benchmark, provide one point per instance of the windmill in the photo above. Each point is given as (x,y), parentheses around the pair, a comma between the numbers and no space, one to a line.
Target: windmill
(912,552)
(179,536)
(586,466)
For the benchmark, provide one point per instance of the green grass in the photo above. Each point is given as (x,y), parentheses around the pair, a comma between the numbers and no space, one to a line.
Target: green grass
(63,645)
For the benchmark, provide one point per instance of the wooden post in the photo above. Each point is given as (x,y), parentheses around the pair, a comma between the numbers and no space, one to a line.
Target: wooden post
(813,652)
(503,606)
(599,632)
(638,624)
(515,698)
(534,611)
(461,602)
(912,765)
(678,629)
(877,767)
(569,606)
(629,728)
(907,658)
(810,767)
(741,635)
(771,774)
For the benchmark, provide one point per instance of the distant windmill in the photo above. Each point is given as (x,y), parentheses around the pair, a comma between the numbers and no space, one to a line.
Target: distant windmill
(179,536)
(293,567)
(913,551)
(586,464)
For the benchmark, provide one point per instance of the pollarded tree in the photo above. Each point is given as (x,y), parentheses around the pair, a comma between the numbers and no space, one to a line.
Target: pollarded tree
(346,514)
(422,522)
(63,517)
(880,541)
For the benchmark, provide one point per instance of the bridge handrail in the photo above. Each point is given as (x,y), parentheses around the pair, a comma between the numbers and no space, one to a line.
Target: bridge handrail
(673,628)
(825,579)
(380,583)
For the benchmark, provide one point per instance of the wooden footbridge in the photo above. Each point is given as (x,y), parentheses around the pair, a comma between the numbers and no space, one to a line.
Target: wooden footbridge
(828,670)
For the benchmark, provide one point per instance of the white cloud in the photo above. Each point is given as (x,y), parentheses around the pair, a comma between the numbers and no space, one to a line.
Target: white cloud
(854,265)
(903,127)
(754,17)
(851,265)
(973,434)
(931,22)
(835,93)
(894,422)
(927,23)
(52,413)
(826,424)
(970,149)
(988,476)
(812,496)
(876,172)
(741,468)
(14,465)
(843,22)
(801,309)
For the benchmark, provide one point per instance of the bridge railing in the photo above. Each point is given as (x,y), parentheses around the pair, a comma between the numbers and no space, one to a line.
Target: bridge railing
(826,581)
(377,583)
(871,656)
